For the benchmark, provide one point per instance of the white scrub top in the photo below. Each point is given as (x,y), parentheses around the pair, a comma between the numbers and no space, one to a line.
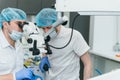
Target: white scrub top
(11,59)
(65,62)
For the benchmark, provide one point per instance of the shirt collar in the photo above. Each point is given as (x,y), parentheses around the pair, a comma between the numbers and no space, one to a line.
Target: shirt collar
(3,41)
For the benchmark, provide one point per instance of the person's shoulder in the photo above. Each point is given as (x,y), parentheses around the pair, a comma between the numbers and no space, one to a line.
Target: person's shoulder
(76,33)
(69,31)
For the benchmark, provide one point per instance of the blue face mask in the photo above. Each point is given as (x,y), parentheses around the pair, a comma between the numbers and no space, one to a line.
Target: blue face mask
(15,35)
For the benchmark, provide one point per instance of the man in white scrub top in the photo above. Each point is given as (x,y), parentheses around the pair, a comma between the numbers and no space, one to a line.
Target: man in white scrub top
(64,62)
(11,52)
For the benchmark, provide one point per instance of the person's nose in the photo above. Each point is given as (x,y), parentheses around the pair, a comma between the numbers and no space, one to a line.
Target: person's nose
(46,30)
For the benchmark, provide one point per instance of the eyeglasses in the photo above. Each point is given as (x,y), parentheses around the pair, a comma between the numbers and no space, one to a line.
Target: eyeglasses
(21,24)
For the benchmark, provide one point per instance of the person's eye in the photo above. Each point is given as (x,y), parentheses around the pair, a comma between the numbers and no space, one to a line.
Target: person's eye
(48,27)
(20,24)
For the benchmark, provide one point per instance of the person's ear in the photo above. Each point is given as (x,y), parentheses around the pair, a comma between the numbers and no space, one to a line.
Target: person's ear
(5,24)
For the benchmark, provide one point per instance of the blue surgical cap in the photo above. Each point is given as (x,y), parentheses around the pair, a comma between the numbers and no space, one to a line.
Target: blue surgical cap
(9,14)
(46,17)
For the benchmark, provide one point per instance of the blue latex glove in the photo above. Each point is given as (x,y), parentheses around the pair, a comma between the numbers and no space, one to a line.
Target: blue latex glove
(44,63)
(25,73)
(36,77)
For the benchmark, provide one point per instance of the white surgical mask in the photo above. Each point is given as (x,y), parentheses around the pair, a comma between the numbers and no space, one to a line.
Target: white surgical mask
(15,35)
(53,35)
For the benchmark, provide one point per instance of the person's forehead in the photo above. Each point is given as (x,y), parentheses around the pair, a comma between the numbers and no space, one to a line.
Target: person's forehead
(47,27)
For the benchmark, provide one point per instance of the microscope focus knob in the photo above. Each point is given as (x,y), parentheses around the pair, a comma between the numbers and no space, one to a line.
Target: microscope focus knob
(29,40)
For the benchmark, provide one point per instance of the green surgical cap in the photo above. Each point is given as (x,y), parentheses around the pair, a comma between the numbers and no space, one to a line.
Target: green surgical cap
(9,14)
(46,17)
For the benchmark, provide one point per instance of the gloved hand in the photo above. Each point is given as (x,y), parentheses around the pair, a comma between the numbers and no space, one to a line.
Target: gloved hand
(25,73)
(36,77)
(44,64)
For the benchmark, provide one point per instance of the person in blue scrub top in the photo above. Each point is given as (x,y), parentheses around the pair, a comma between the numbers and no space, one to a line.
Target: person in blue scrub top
(11,52)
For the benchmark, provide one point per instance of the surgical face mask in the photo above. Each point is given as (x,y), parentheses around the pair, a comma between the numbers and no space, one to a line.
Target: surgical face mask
(15,35)
(53,35)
